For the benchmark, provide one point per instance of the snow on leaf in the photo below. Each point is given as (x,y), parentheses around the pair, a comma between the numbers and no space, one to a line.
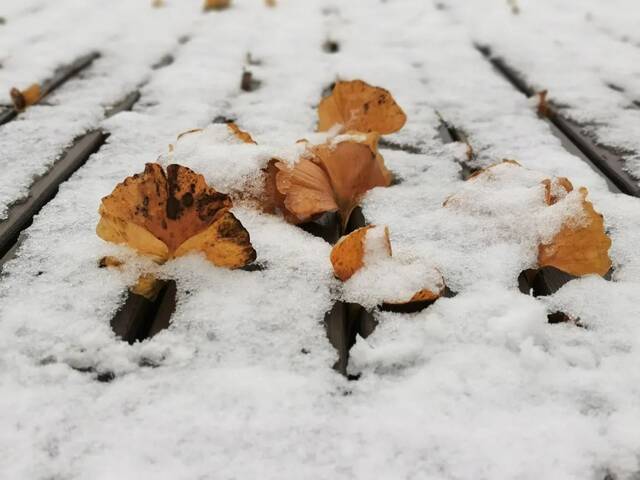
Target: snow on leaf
(578,243)
(373,276)
(579,248)
(347,256)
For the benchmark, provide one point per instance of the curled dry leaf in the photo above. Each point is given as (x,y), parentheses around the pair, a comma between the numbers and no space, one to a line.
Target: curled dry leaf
(169,215)
(216,4)
(23,98)
(358,106)
(330,177)
(580,247)
(370,247)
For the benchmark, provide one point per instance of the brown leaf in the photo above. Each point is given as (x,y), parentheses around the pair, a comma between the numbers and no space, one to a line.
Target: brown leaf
(359,106)
(216,4)
(332,177)
(347,256)
(167,215)
(25,98)
(579,248)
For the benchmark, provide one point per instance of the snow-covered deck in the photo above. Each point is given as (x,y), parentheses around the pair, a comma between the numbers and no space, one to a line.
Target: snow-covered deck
(241,385)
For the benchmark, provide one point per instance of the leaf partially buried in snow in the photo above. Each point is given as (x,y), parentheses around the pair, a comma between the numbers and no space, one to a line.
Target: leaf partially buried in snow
(363,260)
(169,215)
(581,246)
(360,107)
(330,177)
(24,98)
(568,233)
(347,256)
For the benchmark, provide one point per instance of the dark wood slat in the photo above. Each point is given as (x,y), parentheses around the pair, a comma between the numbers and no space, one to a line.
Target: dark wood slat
(140,318)
(21,213)
(605,160)
(166,307)
(45,188)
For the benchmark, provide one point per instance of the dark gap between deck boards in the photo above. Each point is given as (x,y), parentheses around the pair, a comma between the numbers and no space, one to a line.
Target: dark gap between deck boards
(548,280)
(60,76)
(450,134)
(608,164)
(43,189)
(345,320)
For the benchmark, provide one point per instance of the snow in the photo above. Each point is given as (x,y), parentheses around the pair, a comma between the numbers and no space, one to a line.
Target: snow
(130,36)
(591,72)
(241,384)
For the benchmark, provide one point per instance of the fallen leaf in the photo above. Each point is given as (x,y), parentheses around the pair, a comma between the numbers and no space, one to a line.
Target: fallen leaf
(579,248)
(367,252)
(358,106)
(347,256)
(331,177)
(168,215)
(216,4)
(25,98)
(581,245)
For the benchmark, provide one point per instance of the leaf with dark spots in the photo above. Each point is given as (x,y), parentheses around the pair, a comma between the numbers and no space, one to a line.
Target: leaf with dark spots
(197,220)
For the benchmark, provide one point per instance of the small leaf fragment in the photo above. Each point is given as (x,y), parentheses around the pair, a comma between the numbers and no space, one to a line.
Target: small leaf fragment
(216,4)
(24,98)
(240,134)
(147,286)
